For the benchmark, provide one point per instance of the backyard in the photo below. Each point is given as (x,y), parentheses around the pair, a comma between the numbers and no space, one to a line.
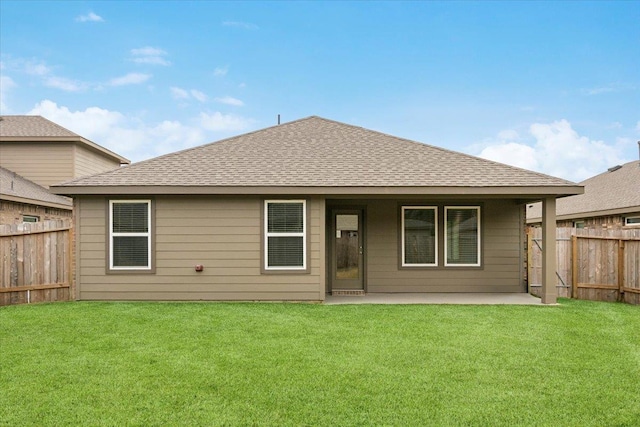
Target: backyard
(86,363)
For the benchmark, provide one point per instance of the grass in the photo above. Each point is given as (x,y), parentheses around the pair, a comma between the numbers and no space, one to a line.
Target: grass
(577,364)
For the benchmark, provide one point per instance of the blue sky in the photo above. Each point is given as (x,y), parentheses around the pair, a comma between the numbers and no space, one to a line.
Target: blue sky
(553,87)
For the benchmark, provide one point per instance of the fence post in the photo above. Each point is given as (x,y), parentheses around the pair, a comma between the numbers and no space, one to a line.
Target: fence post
(70,265)
(620,270)
(574,266)
(529,259)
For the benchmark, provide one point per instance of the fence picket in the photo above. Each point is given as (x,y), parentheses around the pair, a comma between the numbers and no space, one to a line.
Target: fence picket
(33,258)
(597,264)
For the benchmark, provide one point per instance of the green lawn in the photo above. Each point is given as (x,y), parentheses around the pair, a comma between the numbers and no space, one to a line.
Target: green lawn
(303,364)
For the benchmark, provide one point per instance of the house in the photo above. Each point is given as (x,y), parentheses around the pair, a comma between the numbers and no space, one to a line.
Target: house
(298,210)
(36,153)
(46,153)
(611,200)
(22,200)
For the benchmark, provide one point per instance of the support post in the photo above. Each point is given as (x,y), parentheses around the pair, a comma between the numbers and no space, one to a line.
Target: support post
(549,291)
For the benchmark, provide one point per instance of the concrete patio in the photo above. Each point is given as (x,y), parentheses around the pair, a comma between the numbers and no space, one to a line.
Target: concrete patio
(436,298)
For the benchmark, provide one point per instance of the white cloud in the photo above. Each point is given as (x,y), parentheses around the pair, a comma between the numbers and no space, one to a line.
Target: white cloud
(613,87)
(6,84)
(228,100)
(89,123)
(199,95)
(131,137)
(508,134)
(129,79)
(41,70)
(148,51)
(598,90)
(65,84)
(36,68)
(179,93)
(223,122)
(90,17)
(557,150)
(238,24)
(149,55)
(512,153)
(220,71)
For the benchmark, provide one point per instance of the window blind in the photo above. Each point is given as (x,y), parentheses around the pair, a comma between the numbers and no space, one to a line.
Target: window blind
(463,236)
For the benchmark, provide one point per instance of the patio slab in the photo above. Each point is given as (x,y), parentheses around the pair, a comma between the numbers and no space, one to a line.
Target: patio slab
(436,298)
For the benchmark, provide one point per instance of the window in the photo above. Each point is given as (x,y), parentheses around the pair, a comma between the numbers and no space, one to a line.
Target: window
(462,236)
(632,220)
(30,218)
(285,235)
(130,234)
(578,224)
(419,236)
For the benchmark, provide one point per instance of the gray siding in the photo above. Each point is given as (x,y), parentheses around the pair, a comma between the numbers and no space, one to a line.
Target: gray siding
(223,234)
(501,265)
(89,162)
(43,163)
(501,269)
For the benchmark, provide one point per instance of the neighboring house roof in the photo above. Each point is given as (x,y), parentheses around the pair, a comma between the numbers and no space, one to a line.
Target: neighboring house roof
(16,188)
(616,191)
(39,129)
(318,156)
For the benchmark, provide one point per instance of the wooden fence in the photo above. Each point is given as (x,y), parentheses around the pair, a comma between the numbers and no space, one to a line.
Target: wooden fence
(602,265)
(35,262)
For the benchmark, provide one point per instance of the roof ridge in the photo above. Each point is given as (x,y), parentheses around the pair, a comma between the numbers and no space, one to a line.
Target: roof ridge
(43,118)
(60,126)
(270,157)
(42,194)
(606,172)
(459,153)
(17,175)
(197,147)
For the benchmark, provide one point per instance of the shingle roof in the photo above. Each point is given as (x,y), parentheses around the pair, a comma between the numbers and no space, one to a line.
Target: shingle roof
(17,188)
(37,128)
(316,152)
(32,126)
(617,189)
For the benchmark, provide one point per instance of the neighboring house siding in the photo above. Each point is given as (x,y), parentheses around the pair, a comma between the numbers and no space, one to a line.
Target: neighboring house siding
(13,213)
(502,265)
(43,163)
(88,162)
(221,233)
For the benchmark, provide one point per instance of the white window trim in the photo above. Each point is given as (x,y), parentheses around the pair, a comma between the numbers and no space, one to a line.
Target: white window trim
(435,218)
(302,234)
(112,234)
(627,218)
(479,263)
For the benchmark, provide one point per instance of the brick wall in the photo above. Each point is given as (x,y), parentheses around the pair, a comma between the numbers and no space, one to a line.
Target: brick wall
(612,222)
(13,213)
